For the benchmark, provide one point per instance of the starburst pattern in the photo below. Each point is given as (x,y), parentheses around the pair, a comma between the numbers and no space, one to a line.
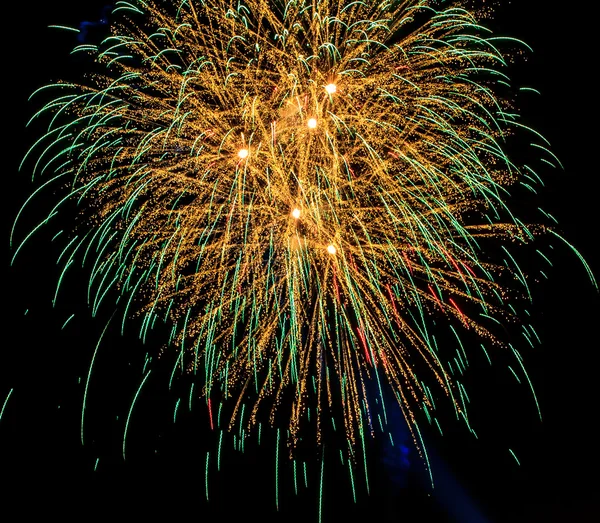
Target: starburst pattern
(297,189)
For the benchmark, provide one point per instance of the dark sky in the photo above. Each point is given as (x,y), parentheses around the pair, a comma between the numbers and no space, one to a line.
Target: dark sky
(41,457)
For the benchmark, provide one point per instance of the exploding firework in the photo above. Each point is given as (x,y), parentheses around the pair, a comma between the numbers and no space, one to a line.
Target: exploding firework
(298,190)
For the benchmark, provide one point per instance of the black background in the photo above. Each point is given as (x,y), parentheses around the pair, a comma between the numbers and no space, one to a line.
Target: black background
(47,471)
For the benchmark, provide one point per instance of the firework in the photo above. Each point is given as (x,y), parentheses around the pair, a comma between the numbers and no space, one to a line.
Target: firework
(298,190)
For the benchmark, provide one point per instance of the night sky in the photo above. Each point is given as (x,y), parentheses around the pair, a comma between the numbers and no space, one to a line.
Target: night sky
(44,466)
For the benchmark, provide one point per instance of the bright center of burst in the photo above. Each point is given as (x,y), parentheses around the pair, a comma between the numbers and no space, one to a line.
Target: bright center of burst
(312,123)
(331,88)
(331,249)
(296,213)
(243,153)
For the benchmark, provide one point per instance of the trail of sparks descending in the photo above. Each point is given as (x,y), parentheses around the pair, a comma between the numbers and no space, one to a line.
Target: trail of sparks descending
(296,188)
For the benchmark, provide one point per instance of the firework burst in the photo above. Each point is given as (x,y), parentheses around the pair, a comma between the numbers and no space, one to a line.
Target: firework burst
(297,189)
